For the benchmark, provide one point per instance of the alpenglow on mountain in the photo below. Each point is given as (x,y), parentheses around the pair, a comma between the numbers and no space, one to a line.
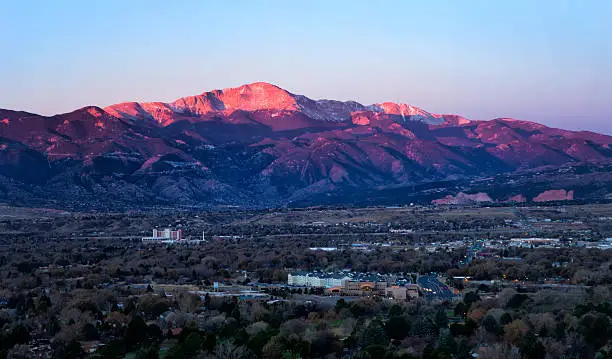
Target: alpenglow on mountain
(261,146)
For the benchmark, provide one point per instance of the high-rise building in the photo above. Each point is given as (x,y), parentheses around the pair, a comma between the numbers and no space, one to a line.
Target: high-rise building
(165,235)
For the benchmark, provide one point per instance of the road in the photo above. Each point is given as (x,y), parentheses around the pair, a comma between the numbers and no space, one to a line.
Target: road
(471,252)
(505,230)
(434,289)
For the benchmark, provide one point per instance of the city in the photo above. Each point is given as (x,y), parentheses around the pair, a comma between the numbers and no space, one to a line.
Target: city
(306,179)
(198,270)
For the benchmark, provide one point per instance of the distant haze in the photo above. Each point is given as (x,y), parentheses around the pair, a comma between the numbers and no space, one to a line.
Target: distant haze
(548,61)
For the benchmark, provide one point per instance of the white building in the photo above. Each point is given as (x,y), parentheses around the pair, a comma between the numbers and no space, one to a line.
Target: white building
(536,242)
(166,235)
(315,279)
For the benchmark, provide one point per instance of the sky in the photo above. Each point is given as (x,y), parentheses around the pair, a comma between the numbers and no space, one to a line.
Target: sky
(548,61)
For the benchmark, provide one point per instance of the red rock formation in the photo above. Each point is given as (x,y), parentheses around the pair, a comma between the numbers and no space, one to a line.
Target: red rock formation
(519,198)
(554,195)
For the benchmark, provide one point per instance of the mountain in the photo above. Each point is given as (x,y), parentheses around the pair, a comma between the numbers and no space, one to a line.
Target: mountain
(259,146)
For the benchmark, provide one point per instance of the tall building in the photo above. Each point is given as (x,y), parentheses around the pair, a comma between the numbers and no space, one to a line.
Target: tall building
(164,235)
(174,235)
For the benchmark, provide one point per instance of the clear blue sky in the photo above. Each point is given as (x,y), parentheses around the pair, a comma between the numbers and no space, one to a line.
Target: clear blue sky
(548,61)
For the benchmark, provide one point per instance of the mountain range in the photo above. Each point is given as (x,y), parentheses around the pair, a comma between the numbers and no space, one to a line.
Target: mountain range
(258,145)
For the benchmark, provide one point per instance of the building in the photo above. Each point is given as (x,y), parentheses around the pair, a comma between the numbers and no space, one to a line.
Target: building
(397,292)
(316,279)
(356,284)
(365,288)
(404,292)
(166,235)
(401,231)
(412,291)
(223,238)
(534,242)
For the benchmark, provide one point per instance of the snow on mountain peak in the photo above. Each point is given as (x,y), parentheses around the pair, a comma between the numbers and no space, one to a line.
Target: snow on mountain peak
(263,96)
(409,112)
(250,97)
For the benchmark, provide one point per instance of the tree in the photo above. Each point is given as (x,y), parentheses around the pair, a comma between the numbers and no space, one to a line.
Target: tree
(274,348)
(136,332)
(376,351)
(154,333)
(53,326)
(464,349)
(490,324)
(440,318)
(188,303)
(424,326)
(531,347)
(192,344)
(150,352)
(470,297)
(374,334)
(229,350)
(505,319)
(207,300)
(517,300)
(446,342)
(19,335)
(461,309)
(596,328)
(395,310)
(497,351)
(90,332)
(322,344)
(340,304)
(397,327)
(514,331)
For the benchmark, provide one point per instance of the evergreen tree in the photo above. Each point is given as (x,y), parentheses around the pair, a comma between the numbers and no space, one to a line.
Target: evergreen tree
(440,318)
(150,352)
(397,328)
(395,310)
(136,332)
(505,319)
(374,334)
(192,344)
(446,342)
(531,347)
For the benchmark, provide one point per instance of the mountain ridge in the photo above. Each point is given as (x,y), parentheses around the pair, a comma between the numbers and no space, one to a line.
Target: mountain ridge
(261,145)
(263,96)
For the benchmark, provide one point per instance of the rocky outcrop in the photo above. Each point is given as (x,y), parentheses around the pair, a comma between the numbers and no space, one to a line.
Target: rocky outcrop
(555,195)
(519,198)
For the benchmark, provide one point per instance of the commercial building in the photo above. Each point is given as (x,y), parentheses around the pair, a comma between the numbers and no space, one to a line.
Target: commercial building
(407,291)
(316,279)
(534,242)
(356,284)
(365,288)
